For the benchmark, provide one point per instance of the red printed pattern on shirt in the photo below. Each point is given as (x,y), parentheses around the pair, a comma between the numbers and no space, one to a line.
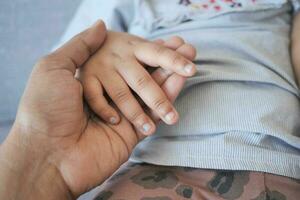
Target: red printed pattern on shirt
(217,5)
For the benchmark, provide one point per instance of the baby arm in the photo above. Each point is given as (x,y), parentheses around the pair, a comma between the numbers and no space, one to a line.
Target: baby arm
(117,68)
(296,47)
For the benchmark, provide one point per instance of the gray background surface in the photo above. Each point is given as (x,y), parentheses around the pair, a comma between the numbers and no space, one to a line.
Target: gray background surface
(28,30)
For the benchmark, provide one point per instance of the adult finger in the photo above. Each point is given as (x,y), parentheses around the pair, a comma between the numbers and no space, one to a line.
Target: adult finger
(78,50)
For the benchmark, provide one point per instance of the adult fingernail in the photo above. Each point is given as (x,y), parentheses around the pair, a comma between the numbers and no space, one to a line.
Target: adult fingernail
(189,68)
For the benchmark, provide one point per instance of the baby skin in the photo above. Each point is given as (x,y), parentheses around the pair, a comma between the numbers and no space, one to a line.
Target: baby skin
(117,75)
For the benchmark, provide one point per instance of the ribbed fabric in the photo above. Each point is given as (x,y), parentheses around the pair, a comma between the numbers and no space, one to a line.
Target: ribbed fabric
(241,111)
(218,107)
(230,151)
(230,125)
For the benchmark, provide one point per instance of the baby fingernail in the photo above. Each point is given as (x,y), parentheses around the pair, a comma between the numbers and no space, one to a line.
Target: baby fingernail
(189,68)
(113,120)
(170,117)
(146,127)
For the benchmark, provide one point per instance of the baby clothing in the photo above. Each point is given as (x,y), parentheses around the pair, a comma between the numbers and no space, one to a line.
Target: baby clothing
(241,110)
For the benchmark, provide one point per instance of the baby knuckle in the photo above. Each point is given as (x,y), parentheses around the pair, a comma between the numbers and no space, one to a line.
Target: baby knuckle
(177,39)
(91,98)
(176,60)
(160,103)
(135,43)
(117,59)
(134,116)
(115,55)
(142,82)
(121,96)
(160,50)
(104,110)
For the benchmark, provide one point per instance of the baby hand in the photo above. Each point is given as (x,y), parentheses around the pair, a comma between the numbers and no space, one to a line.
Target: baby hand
(118,67)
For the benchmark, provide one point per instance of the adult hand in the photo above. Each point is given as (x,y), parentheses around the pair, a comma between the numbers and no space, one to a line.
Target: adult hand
(56,149)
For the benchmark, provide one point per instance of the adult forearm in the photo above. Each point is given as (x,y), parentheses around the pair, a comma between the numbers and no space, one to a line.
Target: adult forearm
(27,174)
(295,47)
